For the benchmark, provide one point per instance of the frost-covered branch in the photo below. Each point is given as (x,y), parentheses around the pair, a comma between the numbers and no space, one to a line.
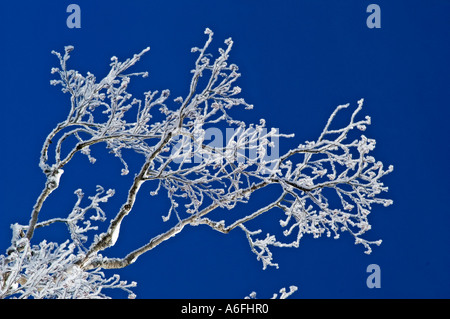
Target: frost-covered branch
(49,270)
(203,160)
(81,126)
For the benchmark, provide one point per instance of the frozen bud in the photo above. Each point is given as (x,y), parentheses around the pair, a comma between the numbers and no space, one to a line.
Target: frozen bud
(68,48)
(237,90)
(165,93)
(361,127)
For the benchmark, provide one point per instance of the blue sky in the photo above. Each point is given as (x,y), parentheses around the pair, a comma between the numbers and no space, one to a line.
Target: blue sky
(299,60)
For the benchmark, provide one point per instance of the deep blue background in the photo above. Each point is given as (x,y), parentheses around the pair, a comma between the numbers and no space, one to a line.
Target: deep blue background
(298,59)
